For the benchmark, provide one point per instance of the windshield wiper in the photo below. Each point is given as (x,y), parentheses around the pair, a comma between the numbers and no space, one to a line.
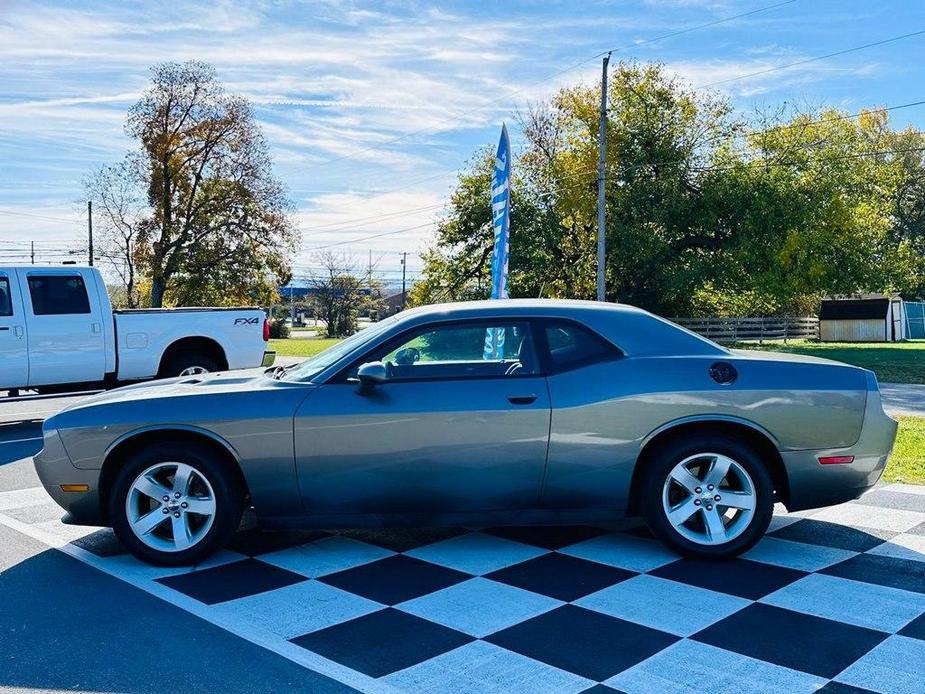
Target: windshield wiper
(277,372)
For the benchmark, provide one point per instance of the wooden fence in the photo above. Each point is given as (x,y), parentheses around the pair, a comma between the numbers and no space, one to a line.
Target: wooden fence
(762,328)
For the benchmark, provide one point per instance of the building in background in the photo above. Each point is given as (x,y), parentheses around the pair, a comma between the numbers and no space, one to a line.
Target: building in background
(863,318)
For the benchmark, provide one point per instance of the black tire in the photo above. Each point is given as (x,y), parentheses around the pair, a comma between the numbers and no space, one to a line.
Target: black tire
(185,360)
(663,462)
(229,501)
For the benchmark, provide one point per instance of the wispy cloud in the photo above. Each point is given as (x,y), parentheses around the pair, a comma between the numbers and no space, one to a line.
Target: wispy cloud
(363,97)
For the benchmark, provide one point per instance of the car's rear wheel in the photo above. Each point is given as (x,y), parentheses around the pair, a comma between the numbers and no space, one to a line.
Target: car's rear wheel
(175,504)
(707,496)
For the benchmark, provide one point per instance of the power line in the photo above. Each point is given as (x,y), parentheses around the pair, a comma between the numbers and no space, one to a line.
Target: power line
(399,213)
(818,121)
(40,216)
(813,60)
(367,238)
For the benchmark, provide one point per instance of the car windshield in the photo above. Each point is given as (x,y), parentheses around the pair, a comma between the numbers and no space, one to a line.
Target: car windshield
(308,369)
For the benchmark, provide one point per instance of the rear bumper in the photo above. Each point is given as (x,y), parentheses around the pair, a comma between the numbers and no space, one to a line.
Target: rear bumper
(54,468)
(268,358)
(813,485)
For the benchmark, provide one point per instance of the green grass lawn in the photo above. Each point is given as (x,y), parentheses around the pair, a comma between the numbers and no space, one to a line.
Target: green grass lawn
(907,464)
(897,362)
(301,346)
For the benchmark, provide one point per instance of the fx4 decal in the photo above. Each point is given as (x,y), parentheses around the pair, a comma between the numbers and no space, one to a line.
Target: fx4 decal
(245,321)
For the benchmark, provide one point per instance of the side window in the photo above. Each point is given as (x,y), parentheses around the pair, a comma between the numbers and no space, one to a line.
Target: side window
(473,350)
(6,301)
(56,295)
(572,345)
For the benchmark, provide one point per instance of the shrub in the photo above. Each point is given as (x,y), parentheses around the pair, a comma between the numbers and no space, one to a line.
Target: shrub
(279,329)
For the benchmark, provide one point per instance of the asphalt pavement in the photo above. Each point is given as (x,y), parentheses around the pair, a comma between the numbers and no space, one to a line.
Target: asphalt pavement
(904,398)
(65,626)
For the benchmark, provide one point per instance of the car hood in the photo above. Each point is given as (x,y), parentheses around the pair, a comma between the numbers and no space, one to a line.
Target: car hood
(249,380)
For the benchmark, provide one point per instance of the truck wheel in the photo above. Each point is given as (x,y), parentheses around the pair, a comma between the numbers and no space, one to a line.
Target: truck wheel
(175,504)
(707,496)
(188,364)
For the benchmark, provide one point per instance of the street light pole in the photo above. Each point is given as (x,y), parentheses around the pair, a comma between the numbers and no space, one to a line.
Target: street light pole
(90,230)
(404,267)
(601,187)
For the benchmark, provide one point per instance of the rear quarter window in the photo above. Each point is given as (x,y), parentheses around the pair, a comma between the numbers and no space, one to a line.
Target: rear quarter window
(571,345)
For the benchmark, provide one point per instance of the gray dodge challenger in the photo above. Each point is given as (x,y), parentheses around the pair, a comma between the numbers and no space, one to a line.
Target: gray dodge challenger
(514,411)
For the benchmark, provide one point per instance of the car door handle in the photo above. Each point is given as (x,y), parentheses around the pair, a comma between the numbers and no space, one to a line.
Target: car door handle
(521,399)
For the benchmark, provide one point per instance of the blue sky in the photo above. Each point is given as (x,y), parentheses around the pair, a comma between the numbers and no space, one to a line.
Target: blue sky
(371,107)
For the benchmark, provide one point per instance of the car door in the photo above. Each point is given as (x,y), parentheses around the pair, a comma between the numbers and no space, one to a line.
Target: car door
(454,428)
(14,357)
(65,335)
(592,444)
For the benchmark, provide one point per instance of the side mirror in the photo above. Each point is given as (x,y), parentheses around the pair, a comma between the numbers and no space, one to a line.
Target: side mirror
(372,374)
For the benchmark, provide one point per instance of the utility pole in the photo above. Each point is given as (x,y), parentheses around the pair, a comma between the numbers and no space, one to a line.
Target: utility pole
(32,254)
(601,185)
(404,267)
(369,276)
(90,229)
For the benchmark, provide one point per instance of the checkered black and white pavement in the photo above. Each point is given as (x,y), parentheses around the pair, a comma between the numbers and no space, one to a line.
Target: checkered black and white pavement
(831,600)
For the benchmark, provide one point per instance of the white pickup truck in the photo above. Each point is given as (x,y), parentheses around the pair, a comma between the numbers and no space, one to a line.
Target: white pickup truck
(58,332)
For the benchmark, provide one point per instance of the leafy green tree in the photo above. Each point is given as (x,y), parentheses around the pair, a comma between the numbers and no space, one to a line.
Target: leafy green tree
(458,266)
(706,214)
(216,226)
(337,293)
(656,134)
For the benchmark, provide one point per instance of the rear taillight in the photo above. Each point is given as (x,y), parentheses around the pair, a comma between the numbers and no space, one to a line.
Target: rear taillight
(836,459)
(266,330)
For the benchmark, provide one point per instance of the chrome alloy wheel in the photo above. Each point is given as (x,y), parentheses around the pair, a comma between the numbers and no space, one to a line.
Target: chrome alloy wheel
(170,506)
(193,371)
(709,498)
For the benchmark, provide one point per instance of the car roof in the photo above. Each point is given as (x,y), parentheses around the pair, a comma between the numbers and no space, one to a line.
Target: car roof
(537,307)
(632,329)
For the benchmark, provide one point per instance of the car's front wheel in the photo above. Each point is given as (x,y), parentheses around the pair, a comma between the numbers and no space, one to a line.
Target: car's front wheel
(174,504)
(707,496)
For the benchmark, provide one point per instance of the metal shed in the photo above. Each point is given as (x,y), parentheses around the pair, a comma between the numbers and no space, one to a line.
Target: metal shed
(862,318)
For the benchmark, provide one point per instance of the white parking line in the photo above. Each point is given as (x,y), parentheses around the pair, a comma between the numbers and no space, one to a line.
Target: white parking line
(239,627)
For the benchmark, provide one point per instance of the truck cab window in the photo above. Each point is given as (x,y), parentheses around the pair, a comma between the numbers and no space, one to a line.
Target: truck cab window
(6,302)
(57,295)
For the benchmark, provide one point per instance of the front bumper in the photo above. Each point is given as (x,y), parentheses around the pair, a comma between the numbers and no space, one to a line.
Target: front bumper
(813,485)
(268,358)
(54,469)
